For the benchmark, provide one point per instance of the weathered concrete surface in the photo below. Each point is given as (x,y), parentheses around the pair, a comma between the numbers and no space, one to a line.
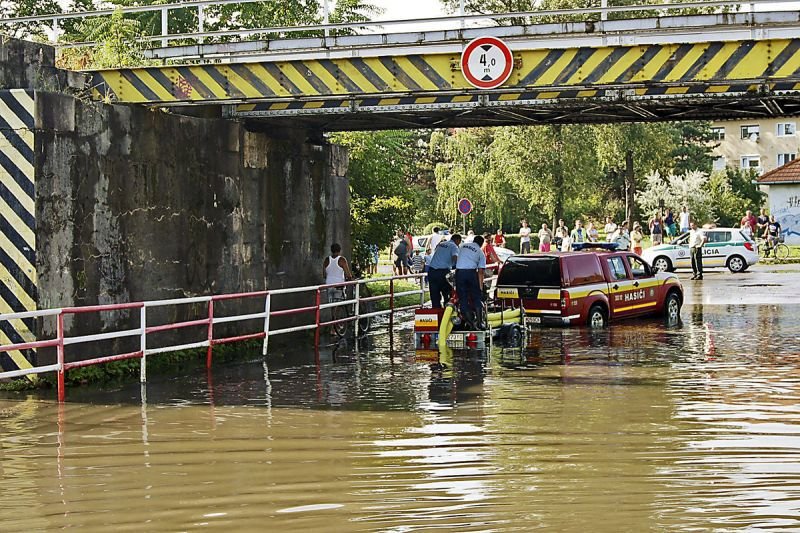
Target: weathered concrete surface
(27,65)
(136,204)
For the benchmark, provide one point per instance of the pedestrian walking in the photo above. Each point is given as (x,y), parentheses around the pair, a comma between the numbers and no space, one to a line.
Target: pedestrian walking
(610,228)
(669,223)
(697,238)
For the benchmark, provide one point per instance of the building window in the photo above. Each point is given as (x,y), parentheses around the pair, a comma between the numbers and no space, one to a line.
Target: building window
(720,163)
(750,132)
(718,133)
(786,129)
(785,158)
(751,162)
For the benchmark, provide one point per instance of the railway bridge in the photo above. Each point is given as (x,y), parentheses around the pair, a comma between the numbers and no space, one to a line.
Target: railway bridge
(93,196)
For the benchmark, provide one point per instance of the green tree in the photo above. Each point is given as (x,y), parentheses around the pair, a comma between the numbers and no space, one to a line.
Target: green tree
(118,43)
(27,8)
(632,151)
(694,147)
(381,199)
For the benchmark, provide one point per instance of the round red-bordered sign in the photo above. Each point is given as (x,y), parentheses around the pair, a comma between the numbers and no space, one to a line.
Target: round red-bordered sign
(486,62)
(464,206)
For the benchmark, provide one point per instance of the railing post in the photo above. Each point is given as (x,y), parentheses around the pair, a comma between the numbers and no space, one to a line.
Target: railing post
(267,310)
(316,334)
(604,13)
(60,356)
(201,22)
(164,25)
(356,296)
(391,312)
(210,333)
(326,16)
(422,289)
(54,39)
(143,344)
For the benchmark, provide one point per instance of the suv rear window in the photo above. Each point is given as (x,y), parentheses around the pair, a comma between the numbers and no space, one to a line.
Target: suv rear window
(531,271)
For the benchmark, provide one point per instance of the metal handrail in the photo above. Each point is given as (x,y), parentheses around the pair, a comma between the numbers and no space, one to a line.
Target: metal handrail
(165,36)
(61,340)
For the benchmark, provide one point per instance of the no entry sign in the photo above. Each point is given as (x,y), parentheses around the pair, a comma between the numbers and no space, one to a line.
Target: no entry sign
(486,62)
(464,206)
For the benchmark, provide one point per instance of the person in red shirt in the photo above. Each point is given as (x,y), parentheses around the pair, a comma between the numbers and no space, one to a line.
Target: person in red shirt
(750,220)
(488,251)
(499,239)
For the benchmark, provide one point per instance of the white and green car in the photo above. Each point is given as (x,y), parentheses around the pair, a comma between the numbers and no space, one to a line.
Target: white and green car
(725,247)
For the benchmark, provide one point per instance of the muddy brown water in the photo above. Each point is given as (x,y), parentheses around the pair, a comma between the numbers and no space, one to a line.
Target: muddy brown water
(636,428)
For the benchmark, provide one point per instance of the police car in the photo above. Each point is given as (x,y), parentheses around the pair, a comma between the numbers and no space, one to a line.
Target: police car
(724,247)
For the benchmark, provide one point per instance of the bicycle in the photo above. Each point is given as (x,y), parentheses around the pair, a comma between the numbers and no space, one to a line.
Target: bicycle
(341,313)
(778,248)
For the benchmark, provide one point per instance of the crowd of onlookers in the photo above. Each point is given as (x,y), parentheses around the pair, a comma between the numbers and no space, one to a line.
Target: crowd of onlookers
(661,227)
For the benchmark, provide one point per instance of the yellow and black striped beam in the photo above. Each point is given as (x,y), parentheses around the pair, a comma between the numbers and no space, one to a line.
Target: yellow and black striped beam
(649,70)
(17,223)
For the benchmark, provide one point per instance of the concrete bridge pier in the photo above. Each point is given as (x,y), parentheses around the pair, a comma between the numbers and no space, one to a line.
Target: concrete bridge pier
(116,203)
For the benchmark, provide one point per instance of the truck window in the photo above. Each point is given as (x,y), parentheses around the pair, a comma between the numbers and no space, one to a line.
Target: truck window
(638,268)
(538,272)
(583,270)
(617,267)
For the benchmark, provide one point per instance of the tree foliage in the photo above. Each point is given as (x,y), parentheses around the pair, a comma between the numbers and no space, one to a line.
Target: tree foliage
(381,170)
(27,8)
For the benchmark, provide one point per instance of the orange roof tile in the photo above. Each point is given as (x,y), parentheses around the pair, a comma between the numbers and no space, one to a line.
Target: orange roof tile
(788,173)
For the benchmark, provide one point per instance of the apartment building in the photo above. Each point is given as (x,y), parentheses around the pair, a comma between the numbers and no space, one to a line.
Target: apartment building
(762,144)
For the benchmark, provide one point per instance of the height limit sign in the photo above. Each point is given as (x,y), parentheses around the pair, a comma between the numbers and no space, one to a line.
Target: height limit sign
(486,62)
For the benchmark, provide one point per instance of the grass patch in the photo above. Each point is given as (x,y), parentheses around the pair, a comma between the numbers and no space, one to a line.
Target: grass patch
(382,287)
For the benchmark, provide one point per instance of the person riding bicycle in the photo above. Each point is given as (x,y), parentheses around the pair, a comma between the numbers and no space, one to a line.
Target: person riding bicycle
(336,270)
(772,234)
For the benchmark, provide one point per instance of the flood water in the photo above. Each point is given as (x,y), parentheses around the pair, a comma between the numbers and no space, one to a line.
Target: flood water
(636,428)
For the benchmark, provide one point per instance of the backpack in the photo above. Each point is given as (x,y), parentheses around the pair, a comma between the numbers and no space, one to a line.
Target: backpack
(401,248)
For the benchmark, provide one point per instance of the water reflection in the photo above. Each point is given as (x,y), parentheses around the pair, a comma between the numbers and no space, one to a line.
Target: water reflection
(638,427)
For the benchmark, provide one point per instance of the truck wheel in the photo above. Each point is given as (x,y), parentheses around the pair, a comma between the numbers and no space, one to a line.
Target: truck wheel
(662,264)
(597,317)
(736,264)
(672,309)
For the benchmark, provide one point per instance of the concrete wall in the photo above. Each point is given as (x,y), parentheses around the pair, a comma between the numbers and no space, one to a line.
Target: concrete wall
(109,204)
(26,65)
(137,204)
(784,203)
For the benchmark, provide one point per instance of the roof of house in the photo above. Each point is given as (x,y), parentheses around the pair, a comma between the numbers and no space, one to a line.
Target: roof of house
(788,173)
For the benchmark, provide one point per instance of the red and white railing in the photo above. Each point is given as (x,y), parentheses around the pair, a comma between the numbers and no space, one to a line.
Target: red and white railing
(314,313)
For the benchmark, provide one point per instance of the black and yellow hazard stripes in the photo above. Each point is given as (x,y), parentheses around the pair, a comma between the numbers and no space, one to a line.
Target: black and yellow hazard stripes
(17,223)
(654,69)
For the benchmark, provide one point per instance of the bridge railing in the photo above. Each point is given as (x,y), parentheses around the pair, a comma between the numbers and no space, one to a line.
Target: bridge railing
(461,20)
(358,307)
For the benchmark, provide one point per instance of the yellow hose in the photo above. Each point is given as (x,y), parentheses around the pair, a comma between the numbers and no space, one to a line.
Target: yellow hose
(503,315)
(445,327)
